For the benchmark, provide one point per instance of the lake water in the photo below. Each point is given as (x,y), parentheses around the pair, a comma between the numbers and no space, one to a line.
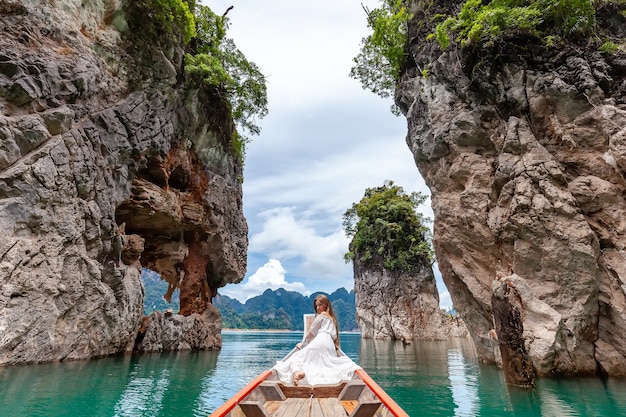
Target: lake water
(425,378)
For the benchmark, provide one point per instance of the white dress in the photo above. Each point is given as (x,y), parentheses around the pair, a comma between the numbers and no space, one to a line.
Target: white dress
(317,357)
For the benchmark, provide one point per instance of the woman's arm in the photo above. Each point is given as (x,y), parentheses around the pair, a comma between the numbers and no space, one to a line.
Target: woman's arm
(310,335)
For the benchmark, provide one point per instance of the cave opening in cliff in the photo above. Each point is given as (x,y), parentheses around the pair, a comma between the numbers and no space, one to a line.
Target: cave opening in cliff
(155,293)
(149,218)
(164,215)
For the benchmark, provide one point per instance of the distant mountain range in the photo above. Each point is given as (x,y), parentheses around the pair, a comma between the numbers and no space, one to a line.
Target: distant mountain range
(274,309)
(282,309)
(155,289)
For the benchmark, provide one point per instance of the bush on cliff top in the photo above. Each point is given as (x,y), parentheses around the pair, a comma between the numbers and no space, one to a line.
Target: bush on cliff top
(173,17)
(386,227)
(380,62)
(212,60)
(486,23)
(217,62)
(384,53)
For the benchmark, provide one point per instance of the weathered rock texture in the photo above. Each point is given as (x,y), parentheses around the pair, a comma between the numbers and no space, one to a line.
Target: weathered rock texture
(508,312)
(107,164)
(163,331)
(524,150)
(398,305)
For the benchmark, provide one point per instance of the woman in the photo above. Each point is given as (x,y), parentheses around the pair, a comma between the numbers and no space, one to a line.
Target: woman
(316,359)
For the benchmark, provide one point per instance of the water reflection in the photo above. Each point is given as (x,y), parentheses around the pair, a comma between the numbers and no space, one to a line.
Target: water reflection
(63,389)
(463,383)
(418,376)
(164,384)
(425,378)
(139,385)
(582,397)
(143,395)
(446,379)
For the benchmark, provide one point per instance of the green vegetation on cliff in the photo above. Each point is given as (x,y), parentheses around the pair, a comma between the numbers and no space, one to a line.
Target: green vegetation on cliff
(488,22)
(217,62)
(380,62)
(170,18)
(476,24)
(212,60)
(387,229)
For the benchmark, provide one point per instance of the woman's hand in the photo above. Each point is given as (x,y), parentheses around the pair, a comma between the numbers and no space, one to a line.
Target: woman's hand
(299,345)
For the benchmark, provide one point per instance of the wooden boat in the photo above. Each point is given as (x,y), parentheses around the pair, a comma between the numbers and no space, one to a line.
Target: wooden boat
(267,396)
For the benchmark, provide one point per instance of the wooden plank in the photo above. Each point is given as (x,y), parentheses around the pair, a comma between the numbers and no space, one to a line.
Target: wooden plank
(366,409)
(368,395)
(349,405)
(328,391)
(331,407)
(351,391)
(303,391)
(236,412)
(273,406)
(255,395)
(316,409)
(271,391)
(317,391)
(253,409)
(384,412)
(291,407)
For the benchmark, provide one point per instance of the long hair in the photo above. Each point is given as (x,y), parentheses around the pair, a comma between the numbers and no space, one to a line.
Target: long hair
(322,299)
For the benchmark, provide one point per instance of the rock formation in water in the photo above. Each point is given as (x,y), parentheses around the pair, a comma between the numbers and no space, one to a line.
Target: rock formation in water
(400,305)
(395,292)
(108,163)
(524,151)
(508,311)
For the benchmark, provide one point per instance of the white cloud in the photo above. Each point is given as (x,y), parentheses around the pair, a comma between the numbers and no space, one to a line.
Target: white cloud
(269,276)
(331,180)
(324,141)
(285,237)
(304,48)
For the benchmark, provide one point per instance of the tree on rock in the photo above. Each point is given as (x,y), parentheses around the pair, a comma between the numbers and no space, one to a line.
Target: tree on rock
(395,291)
(387,229)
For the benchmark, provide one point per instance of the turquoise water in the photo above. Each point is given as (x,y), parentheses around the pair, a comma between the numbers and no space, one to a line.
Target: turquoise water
(425,378)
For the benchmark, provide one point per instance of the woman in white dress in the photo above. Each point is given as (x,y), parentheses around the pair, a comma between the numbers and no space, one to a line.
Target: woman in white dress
(318,359)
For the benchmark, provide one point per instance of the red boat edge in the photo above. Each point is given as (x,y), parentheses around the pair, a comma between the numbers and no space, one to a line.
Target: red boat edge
(392,407)
(243,393)
(387,401)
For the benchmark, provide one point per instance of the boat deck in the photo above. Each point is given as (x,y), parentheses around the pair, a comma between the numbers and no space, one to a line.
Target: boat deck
(274,399)
(303,407)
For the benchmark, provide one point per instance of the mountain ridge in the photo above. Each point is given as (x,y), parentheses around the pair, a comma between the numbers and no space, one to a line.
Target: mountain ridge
(282,310)
(278,309)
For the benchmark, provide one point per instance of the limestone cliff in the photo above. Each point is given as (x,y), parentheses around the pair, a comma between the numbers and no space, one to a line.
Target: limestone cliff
(524,151)
(398,305)
(108,163)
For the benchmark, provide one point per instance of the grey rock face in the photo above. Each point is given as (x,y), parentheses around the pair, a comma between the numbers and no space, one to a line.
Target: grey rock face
(170,332)
(401,306)
(99,178)
(508,312)
(526,159)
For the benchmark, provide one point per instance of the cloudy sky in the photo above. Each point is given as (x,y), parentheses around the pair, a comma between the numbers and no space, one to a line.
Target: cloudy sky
(324,141)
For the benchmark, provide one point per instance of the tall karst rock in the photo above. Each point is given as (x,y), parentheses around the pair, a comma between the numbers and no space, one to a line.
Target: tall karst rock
(398,305)
(394,284)
(108,163)
(524,150)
